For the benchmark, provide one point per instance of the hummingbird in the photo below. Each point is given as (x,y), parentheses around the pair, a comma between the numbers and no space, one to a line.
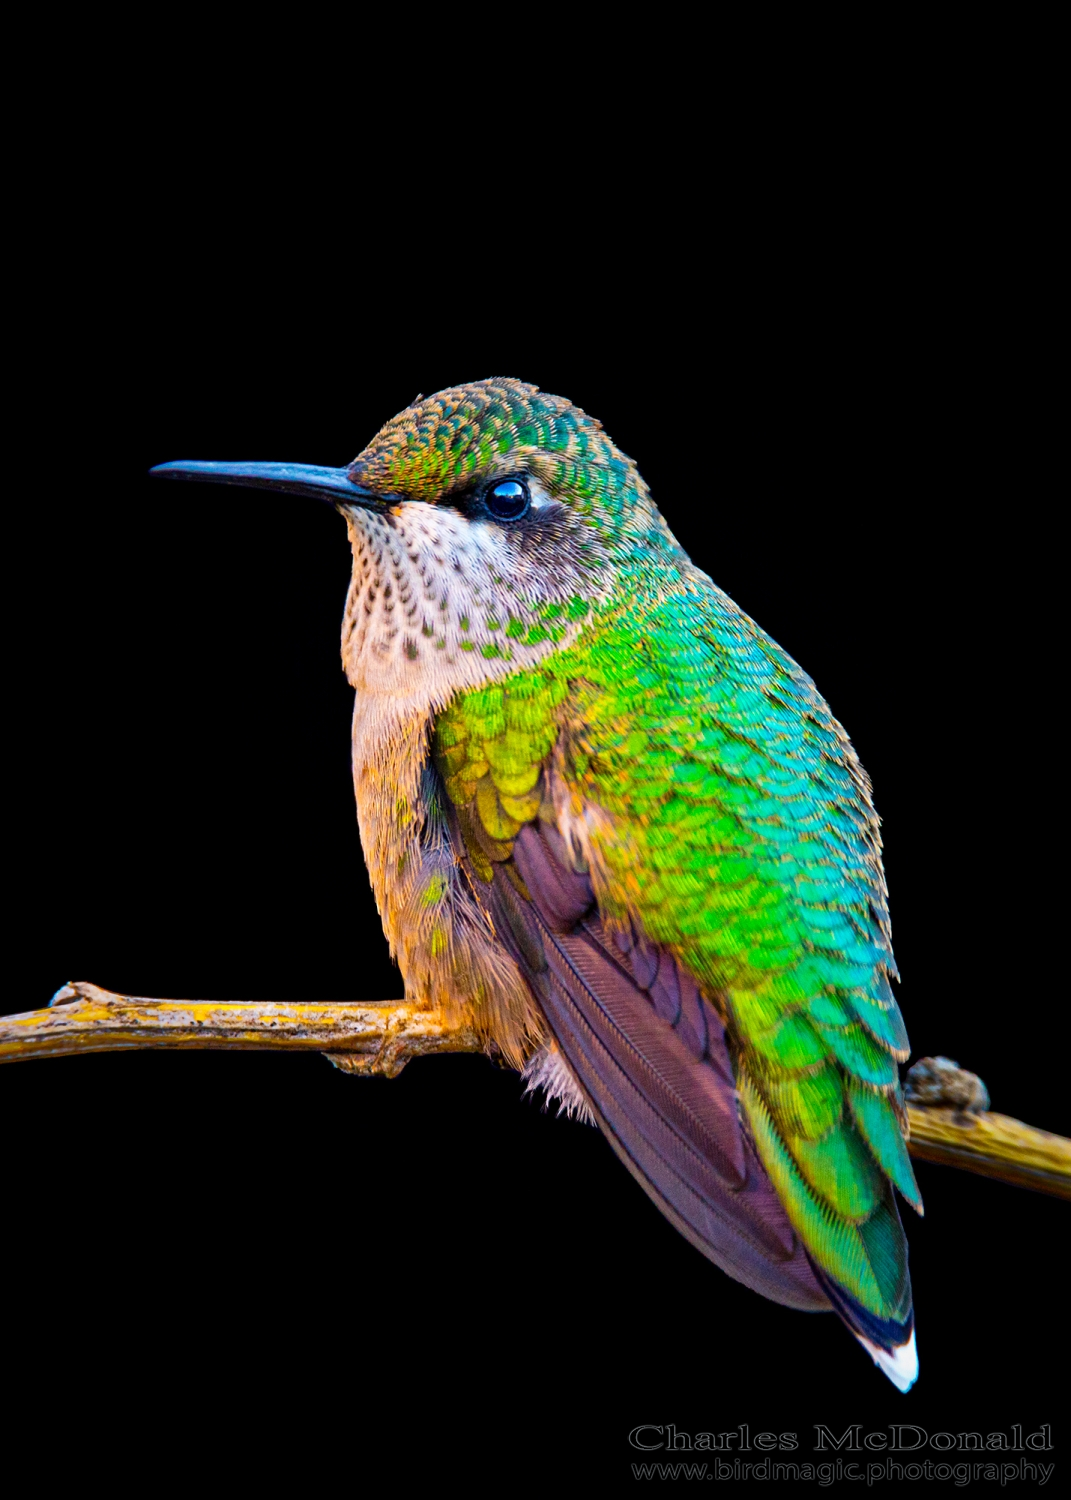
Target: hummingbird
(615,829)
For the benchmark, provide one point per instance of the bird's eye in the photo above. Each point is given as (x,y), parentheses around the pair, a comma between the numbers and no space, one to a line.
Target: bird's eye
(508,499)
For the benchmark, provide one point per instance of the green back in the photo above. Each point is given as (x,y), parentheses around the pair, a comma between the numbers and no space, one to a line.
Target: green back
(737,828)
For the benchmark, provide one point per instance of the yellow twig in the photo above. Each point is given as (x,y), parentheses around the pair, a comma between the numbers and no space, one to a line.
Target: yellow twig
(361,1037)
(993,1146)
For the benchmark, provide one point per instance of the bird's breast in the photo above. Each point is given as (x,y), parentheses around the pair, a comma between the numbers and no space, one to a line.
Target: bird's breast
(438,929)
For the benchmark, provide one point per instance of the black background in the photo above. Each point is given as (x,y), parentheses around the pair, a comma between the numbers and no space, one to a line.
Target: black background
(840,401)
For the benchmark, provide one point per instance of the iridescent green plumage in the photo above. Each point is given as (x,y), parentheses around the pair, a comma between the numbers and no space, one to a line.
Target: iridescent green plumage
(743,839)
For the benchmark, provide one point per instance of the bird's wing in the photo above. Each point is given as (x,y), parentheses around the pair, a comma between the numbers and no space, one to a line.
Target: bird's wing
(650,1053)
(681,767)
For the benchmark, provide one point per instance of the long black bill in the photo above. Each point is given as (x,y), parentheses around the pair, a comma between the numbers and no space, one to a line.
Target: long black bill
(333,485)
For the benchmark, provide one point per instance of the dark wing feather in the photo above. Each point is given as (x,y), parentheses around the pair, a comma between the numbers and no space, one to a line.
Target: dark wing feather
(651,1056)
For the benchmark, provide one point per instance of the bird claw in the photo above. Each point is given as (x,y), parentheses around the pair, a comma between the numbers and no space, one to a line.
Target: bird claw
(940,1083)
(386,1062)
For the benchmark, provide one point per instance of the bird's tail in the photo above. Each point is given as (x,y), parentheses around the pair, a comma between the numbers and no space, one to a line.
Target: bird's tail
(889,1342)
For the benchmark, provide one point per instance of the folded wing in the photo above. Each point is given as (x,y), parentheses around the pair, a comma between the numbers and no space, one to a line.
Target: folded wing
(650,1054)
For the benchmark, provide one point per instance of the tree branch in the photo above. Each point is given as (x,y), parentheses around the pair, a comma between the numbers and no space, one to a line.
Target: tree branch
(360,1036)
(380,1037)
(992,1146)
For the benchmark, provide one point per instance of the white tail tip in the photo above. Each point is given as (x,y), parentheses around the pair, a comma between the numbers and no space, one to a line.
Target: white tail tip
(900,1364)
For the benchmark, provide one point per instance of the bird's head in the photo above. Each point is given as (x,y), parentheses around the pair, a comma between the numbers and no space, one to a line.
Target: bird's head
(487,523)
